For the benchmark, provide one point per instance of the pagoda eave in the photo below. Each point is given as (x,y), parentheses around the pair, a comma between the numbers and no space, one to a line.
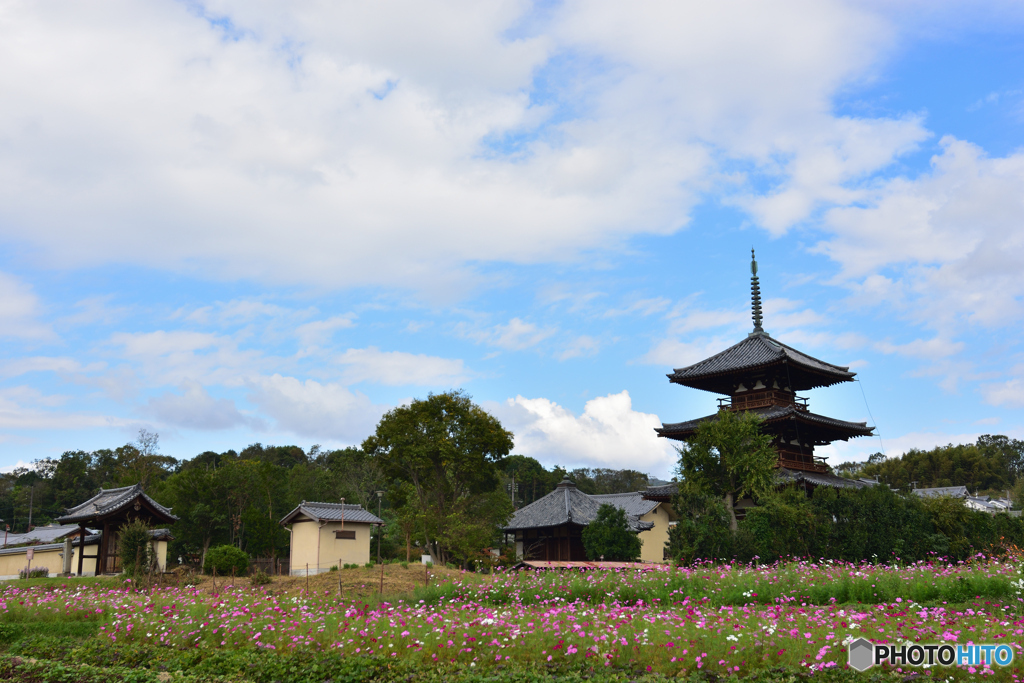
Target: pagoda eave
(723,383)
(813,429)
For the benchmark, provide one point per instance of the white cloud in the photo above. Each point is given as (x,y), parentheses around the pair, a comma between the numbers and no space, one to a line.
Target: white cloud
(25,408)
(397,368)
(642,307)
(196,409)
(516,335)
(169,358)
(20,310)
(581,346)
(320,331)
(276,152)
(58,364)
(1009,393)
(235,312)
(315,410)
(609,433)
(950,240)
(674,353)
(932,349)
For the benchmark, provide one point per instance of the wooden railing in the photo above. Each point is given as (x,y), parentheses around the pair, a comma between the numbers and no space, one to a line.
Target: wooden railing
(762,399)
(801,461)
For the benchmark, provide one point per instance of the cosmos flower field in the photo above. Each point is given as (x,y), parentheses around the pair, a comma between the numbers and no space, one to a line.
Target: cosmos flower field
(720,620)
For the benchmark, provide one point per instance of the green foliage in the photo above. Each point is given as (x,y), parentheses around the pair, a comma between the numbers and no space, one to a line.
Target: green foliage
(369,565)
(441,455)
(134,547)
(610,537)
(730,458)
(261,578)
(993,464)
(844,524)
(600,481)
(225,559)
(702,530)
(34,573)
(532,480)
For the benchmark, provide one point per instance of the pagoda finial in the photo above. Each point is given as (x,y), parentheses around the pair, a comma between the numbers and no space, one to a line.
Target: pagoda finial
(755,294)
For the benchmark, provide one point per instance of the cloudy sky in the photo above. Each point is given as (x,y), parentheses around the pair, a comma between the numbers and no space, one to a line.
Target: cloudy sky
(232,222)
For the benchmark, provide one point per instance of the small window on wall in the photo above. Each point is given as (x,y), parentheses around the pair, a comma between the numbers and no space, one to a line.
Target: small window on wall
(345,535)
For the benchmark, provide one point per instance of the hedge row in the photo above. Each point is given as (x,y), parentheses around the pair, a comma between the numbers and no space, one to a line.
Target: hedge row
(841,524)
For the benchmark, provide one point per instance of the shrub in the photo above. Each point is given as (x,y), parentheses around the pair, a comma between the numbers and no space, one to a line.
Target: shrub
(702,531)
(404,564)
(34,573)
(225,558)
(333,568)
(610,537)
(134,548)
(260,578)
(368,565)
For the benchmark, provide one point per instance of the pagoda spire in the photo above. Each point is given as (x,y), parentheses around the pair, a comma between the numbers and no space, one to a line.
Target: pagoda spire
(755,295)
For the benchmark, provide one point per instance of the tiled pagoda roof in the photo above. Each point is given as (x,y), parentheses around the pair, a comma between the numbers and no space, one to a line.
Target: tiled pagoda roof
(755,353)
(828,428)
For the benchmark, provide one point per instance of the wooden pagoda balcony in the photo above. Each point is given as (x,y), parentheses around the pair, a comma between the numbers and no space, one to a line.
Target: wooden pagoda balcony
(795,460)
(762,398)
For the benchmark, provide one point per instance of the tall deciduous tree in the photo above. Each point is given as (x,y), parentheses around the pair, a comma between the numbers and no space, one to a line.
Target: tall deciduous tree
(444,450)
(729,457)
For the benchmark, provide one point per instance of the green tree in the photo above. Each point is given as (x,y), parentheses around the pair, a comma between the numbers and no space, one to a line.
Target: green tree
(134,548)
(195,496)
(610,537)
(730,458)
(991,465)
(702,530)
(599,481)
(226,559)
(445,448)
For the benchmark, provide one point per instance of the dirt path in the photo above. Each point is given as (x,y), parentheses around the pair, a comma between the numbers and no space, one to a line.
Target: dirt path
(363,583)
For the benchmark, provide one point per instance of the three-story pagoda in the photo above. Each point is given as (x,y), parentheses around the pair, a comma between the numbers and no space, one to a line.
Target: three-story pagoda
(762,375)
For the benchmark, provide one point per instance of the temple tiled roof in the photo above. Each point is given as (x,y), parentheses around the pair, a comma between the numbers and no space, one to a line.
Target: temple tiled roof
(759,351)
(785,475)
(109,501)
(661,493)
(568,505)
(332,512)
(955,491)
(837,429)
(44,534)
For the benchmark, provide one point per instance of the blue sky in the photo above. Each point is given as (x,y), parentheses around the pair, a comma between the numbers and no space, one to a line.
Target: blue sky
(236,222)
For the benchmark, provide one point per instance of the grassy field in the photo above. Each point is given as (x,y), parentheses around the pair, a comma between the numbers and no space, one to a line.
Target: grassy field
(777,623)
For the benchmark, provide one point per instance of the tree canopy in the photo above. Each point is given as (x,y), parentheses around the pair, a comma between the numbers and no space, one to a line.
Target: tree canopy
(729,458)
(440,457)
(609,537)
(992,464)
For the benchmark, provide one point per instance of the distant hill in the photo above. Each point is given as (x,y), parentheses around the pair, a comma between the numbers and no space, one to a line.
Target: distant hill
(994,464)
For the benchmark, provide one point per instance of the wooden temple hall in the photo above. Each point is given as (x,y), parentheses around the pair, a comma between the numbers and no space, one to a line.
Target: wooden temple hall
(762,375)
(108,511)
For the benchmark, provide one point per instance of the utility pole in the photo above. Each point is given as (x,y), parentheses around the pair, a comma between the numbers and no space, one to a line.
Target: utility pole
(380,527)
(513,488)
